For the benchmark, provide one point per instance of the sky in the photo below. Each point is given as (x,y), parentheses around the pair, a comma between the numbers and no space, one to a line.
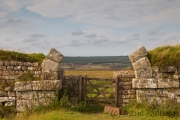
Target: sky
(88,27)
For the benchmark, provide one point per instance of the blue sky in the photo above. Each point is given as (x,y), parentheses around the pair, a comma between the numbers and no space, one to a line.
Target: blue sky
(88,27)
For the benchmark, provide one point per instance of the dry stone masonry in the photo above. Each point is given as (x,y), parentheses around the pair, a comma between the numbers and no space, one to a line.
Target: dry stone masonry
(29,94)
(154,83)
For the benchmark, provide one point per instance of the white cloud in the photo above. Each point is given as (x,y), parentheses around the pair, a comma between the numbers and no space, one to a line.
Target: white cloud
(136,35)
(78,32)
(3,14)
(153,32)
(111,13)
(29,40)
(101,41)
(91,35)
(12,21)
(37,35)
(76,43)
(8,6)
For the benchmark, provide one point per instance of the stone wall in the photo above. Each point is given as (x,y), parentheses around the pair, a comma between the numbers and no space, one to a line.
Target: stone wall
(125,92)
(34,93)
(157,84)
(29,94)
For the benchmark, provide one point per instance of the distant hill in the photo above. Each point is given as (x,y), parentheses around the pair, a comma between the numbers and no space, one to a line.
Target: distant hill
(106,61)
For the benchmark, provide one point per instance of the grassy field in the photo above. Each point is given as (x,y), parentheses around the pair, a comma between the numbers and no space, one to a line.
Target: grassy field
(91,73)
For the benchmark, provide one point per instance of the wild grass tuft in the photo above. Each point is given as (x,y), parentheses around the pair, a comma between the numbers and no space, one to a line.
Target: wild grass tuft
(165,55)
(16,56)
(168,108)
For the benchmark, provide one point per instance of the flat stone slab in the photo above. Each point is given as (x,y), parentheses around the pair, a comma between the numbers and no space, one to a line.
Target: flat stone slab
(31,95)
(157,95)
(22,105)
(123,73)
(48,64)
(7,99)
(143,73)
(168,83)
(141,63)
(139,53)
(55,55)
(112,110)
(38,85)
(144,83)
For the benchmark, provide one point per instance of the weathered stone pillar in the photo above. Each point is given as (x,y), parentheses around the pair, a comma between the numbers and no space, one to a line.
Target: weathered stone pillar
(50,66)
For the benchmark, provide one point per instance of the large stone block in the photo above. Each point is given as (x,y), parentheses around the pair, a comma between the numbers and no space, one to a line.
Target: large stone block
(48,64)
(157,95)
(10,103)
(123,73)
(2,67)
(141,63)
(38,85)
(6,63)
(7,99)
(3,94)
(144,83)
(138,54)
(13,63)
(31,95)
(168,83)
(22,105)
(47,85)
(143,73)
(1,63)
(10,67)
(50,75)
(55,55)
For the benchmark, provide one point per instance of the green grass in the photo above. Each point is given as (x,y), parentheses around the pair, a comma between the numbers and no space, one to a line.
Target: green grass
(91,73)
(165,56)
(64,114)
(16,56)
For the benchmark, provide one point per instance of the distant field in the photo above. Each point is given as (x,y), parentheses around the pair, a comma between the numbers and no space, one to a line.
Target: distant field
(97,59)
(91,73)
(98,62)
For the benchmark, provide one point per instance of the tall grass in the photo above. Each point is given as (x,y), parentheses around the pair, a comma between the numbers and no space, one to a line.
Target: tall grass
(165,55)
(16,56)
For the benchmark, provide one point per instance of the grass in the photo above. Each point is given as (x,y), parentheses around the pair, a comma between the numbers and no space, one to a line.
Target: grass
(64,114)
(91,73)
(165,55)
(16,56)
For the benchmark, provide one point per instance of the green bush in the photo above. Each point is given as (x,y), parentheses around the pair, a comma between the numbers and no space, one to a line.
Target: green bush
(165,55)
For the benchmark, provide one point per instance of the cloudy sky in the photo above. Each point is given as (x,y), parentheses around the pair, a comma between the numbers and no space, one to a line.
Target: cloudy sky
(88,27)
